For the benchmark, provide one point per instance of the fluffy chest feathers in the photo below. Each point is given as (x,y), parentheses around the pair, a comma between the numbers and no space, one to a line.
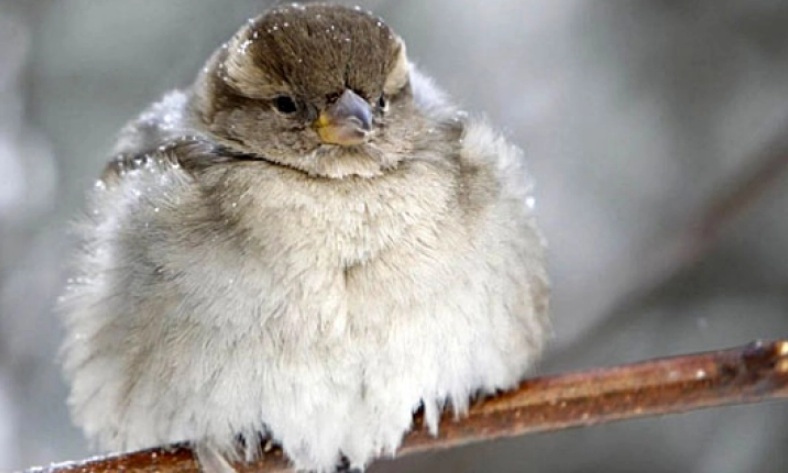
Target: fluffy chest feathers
(344,223)
(297,255)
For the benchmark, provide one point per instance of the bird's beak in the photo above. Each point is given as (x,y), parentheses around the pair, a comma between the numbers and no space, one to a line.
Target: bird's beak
(346,122)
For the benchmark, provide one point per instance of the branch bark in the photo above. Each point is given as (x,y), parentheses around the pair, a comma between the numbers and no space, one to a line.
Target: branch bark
(753,373)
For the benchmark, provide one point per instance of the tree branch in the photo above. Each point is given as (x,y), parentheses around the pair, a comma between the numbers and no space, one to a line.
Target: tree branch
(754,373)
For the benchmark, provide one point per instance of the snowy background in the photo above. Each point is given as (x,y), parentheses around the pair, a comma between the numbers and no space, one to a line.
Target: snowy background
(635,116)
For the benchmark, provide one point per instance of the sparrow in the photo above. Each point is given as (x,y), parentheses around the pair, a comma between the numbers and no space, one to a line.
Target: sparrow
(308,244)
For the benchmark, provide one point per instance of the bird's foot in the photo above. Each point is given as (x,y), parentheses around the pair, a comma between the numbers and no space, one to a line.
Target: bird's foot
(345,467)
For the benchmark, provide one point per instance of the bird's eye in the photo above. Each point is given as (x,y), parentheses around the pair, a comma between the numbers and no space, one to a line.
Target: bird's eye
(383,104)
(285,104)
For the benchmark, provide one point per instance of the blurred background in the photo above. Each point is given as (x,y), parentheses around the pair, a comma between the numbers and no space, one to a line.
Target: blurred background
(657,132)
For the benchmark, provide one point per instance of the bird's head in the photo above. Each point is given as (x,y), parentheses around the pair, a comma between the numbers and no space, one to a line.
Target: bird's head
(323,89)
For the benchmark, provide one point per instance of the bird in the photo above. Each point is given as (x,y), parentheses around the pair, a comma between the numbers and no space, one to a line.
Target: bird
(308,244)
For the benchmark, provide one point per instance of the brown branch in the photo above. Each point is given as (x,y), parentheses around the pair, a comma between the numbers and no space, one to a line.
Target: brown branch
(754,373)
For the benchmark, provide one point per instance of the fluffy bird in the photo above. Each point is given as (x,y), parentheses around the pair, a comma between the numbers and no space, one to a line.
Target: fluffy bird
(308,244)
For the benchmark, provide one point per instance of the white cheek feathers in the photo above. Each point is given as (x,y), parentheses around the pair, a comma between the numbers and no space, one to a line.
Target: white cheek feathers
(399,74)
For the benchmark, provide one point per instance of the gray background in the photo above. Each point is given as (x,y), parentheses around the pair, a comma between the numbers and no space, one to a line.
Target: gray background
(634,115)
